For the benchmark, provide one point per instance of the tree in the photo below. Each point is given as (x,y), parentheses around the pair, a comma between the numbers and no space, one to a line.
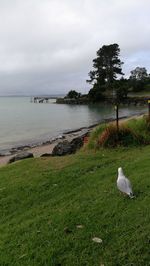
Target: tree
(139,79)
(107,66)
(139,73)
(95,94)
(73,94)
(121,88)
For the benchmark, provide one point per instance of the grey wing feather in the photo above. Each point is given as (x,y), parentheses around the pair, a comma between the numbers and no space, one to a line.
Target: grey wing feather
(121,184)
(124,185)
(129,185)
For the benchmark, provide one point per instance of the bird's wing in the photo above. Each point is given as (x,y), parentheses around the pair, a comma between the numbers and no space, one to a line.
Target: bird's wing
(129,187)
(123,185)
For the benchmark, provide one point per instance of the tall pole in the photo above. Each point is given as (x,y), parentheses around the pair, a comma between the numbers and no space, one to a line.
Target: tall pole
(149,110)
(117,118)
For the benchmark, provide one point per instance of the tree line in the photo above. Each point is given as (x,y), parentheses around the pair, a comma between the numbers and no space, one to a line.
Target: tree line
(107,78)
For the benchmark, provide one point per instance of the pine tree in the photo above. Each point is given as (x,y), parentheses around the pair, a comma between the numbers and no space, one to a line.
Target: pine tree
(106,66)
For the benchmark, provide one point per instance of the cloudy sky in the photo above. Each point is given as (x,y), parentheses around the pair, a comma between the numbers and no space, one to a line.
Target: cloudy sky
(47,46)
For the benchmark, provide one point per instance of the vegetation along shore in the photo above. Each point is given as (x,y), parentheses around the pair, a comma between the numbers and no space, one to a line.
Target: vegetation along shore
(105,83)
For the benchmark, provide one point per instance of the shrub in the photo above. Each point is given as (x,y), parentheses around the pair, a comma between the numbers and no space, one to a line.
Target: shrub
(133,132)
(110,137)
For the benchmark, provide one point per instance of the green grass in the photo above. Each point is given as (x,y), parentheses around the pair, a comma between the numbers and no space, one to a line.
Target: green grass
(92,144)
(145,93)
(39,198)
(141,127)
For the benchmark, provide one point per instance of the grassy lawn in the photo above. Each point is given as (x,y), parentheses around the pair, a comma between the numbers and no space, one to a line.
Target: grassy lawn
(43,200)
(140,94)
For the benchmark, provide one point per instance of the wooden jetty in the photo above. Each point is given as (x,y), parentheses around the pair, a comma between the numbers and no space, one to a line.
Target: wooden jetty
(42,99)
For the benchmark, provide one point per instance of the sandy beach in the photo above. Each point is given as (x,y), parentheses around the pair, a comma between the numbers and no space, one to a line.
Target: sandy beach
(39,150)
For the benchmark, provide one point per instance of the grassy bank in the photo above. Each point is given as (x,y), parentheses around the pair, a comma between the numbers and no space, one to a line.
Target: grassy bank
(43,200)
(131,132)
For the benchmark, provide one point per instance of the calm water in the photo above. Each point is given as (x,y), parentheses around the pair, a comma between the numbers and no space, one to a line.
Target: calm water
(23,122)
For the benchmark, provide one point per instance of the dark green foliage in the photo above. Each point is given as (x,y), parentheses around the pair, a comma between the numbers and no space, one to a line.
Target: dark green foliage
(139,73)
(137,85)
(113,138)
(121,88)
(95,94)
(107,66)
(139,79)
(73,94)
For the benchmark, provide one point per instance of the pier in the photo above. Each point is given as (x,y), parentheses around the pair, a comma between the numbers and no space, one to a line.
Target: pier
(42,99)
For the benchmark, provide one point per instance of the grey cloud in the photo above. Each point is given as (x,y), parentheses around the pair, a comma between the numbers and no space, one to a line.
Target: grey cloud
(47,46)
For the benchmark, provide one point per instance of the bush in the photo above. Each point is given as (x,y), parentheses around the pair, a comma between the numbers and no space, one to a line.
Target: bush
(133,132)
(124,137)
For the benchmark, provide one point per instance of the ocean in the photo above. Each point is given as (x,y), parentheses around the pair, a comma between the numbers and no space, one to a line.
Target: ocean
(23,122)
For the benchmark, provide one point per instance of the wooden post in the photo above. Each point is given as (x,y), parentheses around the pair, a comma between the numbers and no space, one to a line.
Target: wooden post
(117,118)
(149,110)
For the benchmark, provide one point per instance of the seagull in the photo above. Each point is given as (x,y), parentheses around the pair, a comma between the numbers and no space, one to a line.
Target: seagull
(123,183)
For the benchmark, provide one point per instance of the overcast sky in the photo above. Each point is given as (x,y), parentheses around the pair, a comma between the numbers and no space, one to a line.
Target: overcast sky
(47,46)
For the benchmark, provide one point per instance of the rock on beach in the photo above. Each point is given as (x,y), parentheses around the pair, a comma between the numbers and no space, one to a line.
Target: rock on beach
(66,147)
(21,156)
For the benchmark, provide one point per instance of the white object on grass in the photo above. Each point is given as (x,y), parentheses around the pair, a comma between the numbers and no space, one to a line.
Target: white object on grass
(123,183)
(97,239)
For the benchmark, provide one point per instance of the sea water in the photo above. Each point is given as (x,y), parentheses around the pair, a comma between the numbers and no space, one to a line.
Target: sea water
(23,122)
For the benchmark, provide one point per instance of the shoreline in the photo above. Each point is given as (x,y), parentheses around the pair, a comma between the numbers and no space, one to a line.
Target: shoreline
(47,147)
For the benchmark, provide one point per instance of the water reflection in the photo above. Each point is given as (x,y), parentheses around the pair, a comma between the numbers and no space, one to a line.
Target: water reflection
(94,113)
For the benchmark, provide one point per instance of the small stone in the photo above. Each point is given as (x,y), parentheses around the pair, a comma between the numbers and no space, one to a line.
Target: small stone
(21,156)
(79,226)
(61,137)
(97,239)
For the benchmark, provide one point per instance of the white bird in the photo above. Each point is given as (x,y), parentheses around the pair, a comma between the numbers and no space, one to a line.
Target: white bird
(123,183)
